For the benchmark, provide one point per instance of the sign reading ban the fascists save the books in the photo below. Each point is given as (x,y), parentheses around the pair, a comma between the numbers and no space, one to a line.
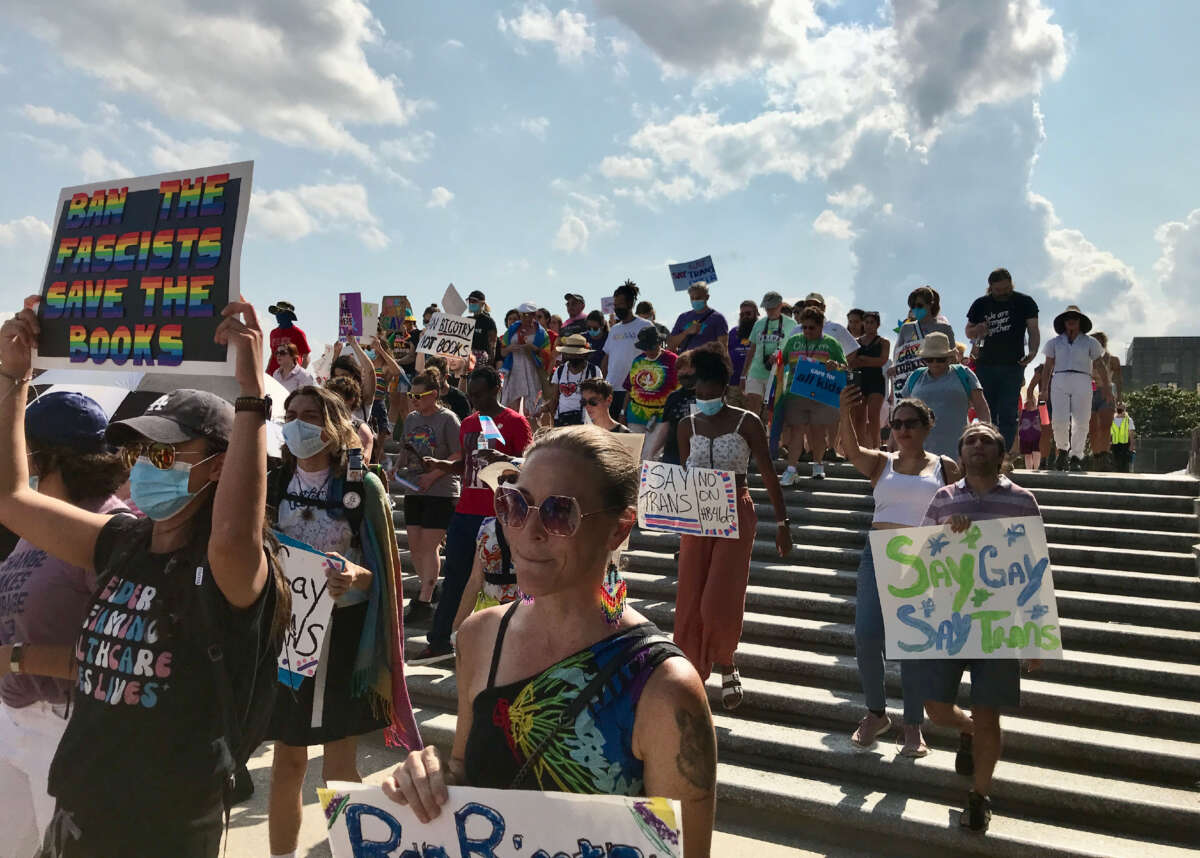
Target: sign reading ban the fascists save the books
(140,270)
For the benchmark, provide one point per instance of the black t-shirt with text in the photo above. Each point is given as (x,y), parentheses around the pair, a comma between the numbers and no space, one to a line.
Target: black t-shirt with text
(1005,342)
(138,751)
(483,326)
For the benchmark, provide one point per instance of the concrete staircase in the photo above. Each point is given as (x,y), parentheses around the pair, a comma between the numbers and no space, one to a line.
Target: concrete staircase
(1103,757)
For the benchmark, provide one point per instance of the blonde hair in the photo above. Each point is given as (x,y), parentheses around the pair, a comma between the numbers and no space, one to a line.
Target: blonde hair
(614,469)
(336,424)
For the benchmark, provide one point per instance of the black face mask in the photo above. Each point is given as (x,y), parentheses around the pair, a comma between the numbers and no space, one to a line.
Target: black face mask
(688,381)
(623,313)
(745,326)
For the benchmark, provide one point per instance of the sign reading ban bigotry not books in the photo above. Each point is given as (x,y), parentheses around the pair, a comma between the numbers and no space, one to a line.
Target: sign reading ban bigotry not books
(362,822)
(140,270)
(698,501)
(447,335)
(984,593)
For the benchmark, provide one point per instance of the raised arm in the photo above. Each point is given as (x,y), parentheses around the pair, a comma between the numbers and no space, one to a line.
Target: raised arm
(65,531)
(366,374)
(869,462)
(235,548)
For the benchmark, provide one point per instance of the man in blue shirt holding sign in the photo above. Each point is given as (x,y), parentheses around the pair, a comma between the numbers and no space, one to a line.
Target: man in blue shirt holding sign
(699,325)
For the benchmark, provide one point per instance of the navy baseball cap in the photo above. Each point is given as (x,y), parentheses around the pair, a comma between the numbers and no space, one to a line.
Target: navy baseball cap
(65,419)
(179,416)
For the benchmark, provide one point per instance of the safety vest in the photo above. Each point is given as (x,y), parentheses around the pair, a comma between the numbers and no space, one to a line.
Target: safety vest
(1120,430)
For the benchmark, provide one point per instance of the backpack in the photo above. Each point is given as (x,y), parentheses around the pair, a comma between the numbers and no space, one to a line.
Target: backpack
(959,370)
(345,499)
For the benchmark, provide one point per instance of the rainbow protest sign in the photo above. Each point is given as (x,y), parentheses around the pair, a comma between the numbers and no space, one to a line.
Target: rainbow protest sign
(140,270)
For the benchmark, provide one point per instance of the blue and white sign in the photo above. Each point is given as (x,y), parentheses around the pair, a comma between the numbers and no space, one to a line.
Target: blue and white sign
(684,274)
(813,381)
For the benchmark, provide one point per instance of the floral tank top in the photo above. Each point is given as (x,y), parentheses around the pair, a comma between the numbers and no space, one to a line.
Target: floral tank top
(595,754)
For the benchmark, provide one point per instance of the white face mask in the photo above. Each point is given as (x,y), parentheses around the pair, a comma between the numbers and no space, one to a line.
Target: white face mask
(303,439)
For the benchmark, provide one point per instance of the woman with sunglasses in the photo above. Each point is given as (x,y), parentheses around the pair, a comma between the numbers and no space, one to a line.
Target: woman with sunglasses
(430,431)
(903,483)
(354,690)
(802,422)
(289,373)
(924,308)
(713,572)
(949,389)
(596,396)
(188,611)
(637,719)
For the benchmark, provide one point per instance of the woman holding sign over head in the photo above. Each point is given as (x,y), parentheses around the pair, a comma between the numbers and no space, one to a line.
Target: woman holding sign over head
(323,496)
(713,571)
(903,484)
(560,694)
(186,619)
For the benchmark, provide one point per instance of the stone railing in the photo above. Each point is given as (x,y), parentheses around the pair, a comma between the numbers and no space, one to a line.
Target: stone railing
(1194,458)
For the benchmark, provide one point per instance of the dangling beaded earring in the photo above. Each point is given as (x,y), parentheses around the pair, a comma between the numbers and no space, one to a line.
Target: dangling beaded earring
(612,595)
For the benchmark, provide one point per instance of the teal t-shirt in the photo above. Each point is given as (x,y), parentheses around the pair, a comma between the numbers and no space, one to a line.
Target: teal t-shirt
(767,336)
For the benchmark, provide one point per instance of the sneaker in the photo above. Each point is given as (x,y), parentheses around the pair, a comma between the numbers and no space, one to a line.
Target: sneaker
(818,471)
(831,455)
(1060,464)
(806,456)
(914,742)
(871,728)
(964,760)
(789,477)
(417,611)
(1077,465)
(432,654)
(977,814)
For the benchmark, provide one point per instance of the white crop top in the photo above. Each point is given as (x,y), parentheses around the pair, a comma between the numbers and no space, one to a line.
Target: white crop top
(728,452)
(903,498)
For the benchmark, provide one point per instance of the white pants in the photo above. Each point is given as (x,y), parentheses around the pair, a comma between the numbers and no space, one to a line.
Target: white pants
(28,739)
(1071,400)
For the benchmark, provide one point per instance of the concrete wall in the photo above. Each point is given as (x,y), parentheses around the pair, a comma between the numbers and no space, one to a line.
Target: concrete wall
(1161,455)
(1162,360)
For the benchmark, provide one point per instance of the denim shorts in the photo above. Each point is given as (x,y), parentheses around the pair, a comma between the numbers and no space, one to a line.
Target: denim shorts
(995,682)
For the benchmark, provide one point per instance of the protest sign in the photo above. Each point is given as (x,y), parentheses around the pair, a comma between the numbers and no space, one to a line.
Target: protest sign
(452,302)
(447,335)
(140,270)
(362,822)
(984,593)
(350,316)
(607,305)
(684,274)
(698,501)
(813,381)
(370,322)
(393,311)
(304,567)
(906,360)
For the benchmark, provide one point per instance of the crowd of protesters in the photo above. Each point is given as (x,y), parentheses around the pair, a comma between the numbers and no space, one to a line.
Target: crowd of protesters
(518,496)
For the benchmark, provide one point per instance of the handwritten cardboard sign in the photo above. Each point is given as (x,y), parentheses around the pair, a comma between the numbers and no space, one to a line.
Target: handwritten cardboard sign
(984,593)
(312,609)
(140,270)
(698,501)
(907,361)
(362,822)
(684,274)
(812,380)
(447,335)
(393,311)
(350,316)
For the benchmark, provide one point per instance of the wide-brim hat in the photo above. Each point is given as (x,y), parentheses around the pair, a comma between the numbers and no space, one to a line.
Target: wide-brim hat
(573,344)
(280,308)
(936,345)
(1060,321)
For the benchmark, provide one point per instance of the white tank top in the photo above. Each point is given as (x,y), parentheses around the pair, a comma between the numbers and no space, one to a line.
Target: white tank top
(903,498)
(728,452)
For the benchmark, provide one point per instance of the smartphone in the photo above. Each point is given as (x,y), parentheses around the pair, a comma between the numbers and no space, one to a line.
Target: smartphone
(853,378)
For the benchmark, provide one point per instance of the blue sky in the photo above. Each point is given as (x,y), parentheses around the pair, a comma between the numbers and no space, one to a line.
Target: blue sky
(529,149)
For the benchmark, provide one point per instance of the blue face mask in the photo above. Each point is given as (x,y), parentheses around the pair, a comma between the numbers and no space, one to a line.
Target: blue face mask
(370,353)
(472,309)
(160,494)
(919,313)
(303,439)
(709,406)
(594,332)
(699,305)
(33,482)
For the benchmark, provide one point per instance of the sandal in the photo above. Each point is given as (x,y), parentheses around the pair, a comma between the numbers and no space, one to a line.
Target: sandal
(731,689)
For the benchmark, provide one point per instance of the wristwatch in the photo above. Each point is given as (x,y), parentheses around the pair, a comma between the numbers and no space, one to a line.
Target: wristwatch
(261,405)
(16,658)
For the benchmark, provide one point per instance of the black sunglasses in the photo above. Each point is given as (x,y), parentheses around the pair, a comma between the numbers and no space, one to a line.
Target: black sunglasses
(910,423)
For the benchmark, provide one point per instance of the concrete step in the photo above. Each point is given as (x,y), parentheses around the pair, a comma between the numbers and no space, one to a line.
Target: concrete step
(1029,791)
(783,574)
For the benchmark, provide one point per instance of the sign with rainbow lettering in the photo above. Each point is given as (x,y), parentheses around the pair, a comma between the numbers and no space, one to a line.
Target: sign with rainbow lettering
(986,592)
(140,270)
(697,501)
(363,822)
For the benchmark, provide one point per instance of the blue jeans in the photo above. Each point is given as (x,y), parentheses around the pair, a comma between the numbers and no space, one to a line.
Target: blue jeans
(868,648)
(456,571)
(1002,390)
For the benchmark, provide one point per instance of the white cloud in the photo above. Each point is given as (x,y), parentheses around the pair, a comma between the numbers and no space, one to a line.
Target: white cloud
(572,235)
(411,149)
(95,166)
(830,224)
(619,167)
(24,246)
(293,214)
(537,126)
(24,231)
(1178,268)
(584,215)
(295,72)
(166,153)
(49,116)
(453,43)
(569,32)
(852,199)
(439,198)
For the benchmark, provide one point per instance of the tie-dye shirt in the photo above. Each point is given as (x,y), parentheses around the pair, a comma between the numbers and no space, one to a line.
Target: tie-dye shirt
(650,382)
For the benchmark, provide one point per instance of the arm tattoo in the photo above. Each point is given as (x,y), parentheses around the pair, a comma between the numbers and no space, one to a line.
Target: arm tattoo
(697,757)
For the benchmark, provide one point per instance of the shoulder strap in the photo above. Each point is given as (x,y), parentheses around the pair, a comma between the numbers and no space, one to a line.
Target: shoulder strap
(499,645)
(945,475)
(961,372)
(738,428)
(638,643)
(915,376)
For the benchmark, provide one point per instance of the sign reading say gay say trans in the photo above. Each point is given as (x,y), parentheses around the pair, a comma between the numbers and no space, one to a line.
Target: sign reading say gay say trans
(983,593)
(140,270)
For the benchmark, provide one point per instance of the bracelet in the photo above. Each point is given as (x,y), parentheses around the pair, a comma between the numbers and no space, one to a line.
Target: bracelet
(257,404)
(16,380)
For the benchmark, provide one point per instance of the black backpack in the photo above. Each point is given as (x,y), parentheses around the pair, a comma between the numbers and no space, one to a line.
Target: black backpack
(345,498)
